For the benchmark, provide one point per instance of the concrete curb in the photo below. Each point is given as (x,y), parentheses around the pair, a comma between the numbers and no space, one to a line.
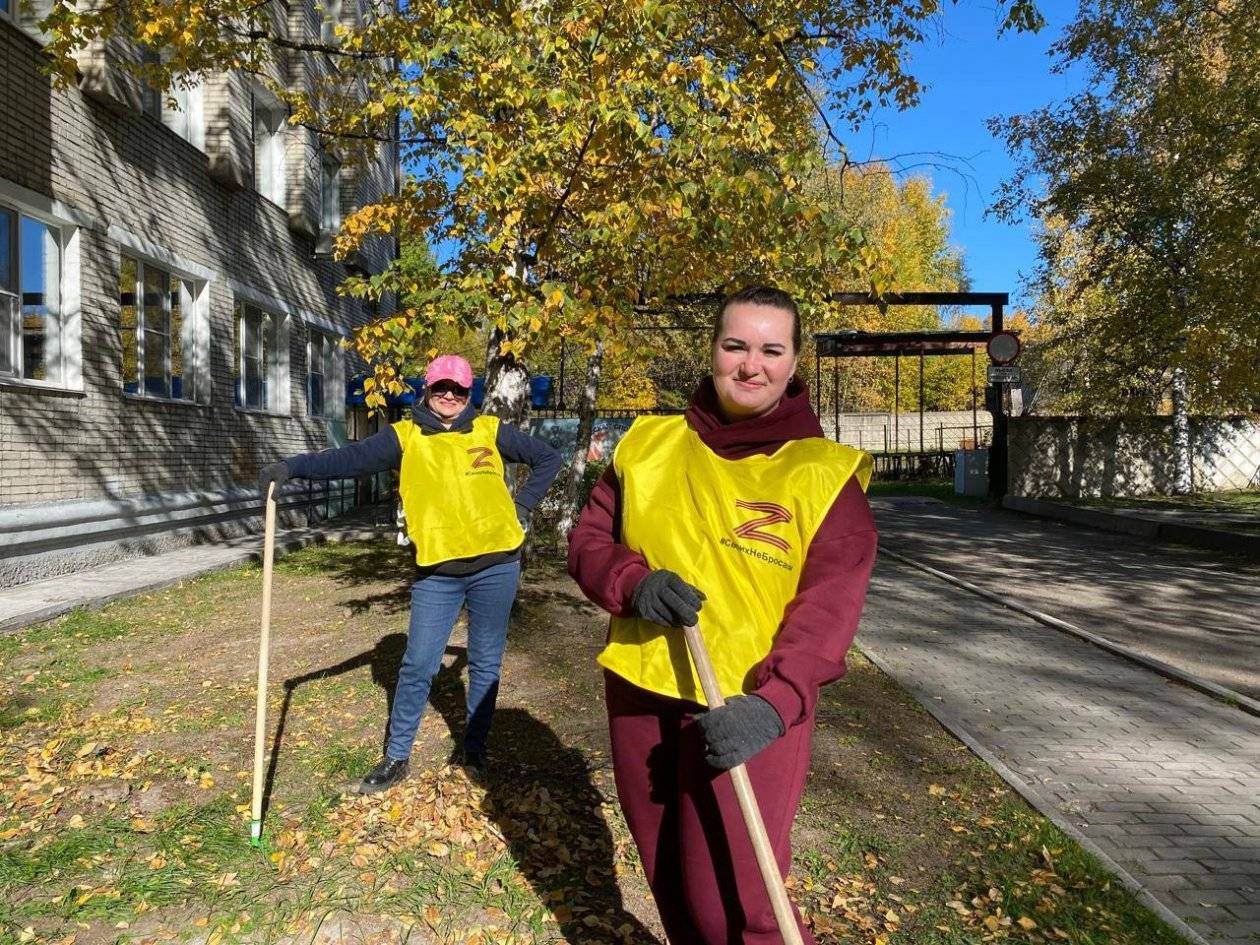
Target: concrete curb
(95,601)
(1038,801)
(1213,539)
(1216,691)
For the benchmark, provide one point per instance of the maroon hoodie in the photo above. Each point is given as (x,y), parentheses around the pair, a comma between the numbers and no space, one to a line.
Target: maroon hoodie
(821,620)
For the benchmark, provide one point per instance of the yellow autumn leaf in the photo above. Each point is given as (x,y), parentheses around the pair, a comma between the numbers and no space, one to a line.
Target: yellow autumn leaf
(1026,923)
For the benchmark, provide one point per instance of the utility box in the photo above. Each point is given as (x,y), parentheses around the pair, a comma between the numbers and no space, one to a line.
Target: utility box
(971,472)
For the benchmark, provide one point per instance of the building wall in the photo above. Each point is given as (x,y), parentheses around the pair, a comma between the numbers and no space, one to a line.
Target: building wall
(129,181)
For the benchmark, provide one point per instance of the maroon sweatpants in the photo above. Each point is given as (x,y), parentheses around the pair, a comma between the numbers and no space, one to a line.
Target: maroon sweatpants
(686,821)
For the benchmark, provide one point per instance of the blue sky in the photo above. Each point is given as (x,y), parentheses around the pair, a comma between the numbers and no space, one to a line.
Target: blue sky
(973,75)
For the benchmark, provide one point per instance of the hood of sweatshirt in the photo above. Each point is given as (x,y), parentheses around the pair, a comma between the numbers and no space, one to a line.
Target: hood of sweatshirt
(429,423)
(792,419)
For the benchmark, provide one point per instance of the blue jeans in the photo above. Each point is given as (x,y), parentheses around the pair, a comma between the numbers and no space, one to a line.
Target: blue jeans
(435,603)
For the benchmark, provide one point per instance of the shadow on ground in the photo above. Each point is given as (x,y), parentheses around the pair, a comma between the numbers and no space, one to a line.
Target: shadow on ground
(563,846)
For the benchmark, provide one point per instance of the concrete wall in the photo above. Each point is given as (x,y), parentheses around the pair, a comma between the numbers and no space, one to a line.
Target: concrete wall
(1071,457)
(877,432)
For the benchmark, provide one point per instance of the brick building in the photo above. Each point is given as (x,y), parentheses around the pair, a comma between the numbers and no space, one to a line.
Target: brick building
(168,313)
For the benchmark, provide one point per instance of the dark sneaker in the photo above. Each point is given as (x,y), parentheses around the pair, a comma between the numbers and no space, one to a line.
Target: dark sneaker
(384,776)
(475,764)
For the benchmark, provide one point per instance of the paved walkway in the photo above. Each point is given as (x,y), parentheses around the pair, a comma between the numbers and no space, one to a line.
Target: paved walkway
(1196,610)
(31,603)
(1162,781)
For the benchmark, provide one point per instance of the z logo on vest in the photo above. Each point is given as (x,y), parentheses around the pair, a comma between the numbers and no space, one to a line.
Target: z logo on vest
(481,460)
(774,515)
(751,530)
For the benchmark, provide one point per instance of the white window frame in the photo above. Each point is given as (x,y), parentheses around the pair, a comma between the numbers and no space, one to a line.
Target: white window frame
(334,373)
(68,371)
(194,332)
(187,116)
(275,371)
(269,123)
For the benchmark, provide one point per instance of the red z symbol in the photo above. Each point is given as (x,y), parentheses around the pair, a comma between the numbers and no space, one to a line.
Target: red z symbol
(482,454)
(774,515)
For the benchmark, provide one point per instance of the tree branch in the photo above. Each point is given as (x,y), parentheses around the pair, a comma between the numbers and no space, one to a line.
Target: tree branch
(800,80)
(542,239)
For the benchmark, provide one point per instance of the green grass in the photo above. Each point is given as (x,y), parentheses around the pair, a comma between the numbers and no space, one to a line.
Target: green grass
(1240,501)
(346,761)
(942,489)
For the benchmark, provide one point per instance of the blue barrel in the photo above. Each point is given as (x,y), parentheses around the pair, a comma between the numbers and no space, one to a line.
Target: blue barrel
(355,396)
(407,397)
(540,390)
(478,391)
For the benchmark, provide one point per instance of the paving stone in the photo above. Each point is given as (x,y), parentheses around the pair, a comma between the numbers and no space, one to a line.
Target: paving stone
(1153,773)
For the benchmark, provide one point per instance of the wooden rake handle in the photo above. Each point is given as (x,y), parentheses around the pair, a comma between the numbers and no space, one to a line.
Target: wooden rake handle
(264,649)
(747,800)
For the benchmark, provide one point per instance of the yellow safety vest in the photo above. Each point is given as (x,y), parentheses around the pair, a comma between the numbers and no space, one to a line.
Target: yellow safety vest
(738,529)
(453,493)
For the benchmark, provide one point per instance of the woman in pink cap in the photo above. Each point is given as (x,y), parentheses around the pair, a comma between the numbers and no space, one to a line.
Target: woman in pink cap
(467,530)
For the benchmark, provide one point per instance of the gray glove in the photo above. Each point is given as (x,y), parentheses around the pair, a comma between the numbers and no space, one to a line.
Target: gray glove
(665,598)
(272,472)
(738,730)
(523,516)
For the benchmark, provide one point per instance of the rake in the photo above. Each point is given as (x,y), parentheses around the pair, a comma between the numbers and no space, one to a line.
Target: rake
(264,647)
(747,800)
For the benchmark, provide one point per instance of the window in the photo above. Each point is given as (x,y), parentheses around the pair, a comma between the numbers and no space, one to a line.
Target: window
(158,318)
(328,28)
(27,14)
(329,204)
(261,350)
(320,372)
(182,113)
(31,312)
(269,151)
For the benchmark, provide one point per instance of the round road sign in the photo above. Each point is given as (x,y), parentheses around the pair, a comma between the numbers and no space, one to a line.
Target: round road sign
(1003,347)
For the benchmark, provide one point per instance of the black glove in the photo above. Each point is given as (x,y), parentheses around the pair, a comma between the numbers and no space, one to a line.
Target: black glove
(738,730)
(665,598)
(272,472)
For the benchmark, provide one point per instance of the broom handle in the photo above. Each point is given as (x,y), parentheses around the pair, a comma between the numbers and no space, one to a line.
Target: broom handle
(747,800)
(264,648)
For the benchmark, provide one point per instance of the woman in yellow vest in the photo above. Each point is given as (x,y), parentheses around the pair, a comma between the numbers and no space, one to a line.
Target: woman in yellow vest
(742,518)
(467,530)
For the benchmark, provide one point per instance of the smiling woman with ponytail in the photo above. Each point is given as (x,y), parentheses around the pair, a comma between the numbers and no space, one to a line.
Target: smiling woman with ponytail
(742,519)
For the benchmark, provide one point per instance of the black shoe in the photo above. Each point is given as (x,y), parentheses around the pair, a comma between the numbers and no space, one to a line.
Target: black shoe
(475,764)
(384,776)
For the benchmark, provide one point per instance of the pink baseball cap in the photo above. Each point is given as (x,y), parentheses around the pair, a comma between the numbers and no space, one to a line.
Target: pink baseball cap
(449,367)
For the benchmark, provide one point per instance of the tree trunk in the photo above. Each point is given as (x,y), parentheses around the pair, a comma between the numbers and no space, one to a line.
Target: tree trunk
(586,423)
(507,383)
(1183,455)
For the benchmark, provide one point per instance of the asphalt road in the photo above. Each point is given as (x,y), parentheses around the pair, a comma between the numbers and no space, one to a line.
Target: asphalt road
(1196,610)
